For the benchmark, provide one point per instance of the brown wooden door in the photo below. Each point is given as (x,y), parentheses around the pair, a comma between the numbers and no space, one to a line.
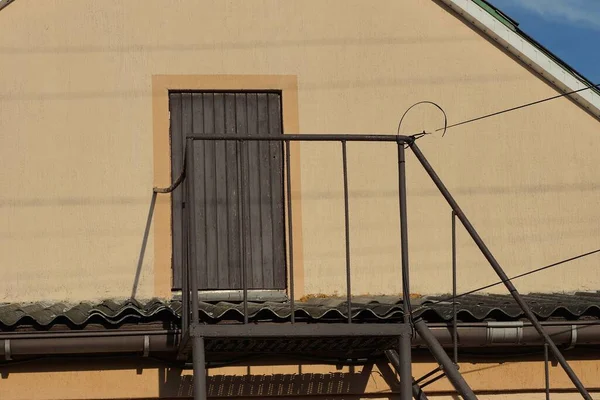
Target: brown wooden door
(217,190)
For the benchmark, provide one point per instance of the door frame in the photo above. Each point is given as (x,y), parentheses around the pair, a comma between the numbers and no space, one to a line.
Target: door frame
(161,85)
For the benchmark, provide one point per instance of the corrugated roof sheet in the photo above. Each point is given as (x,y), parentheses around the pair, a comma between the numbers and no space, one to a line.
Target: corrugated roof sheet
(366,309)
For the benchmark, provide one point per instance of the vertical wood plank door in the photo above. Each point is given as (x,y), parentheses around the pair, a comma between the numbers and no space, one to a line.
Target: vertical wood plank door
(217,185)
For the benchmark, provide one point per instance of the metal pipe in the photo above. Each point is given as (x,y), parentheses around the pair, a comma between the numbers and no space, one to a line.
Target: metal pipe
(546,371)
(442,358)
(429,374)
(347,230)
(96,345)
(406,336)
(242,224)
(288,172)
(91,342)
(185,284)
(394,359)
(349,137)
(454,318)
(498,269)
(199,364)
(242,161)
(86,334)
(193,237)
(582,323)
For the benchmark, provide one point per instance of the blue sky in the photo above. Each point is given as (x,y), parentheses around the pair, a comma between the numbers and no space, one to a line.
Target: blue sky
(568,28)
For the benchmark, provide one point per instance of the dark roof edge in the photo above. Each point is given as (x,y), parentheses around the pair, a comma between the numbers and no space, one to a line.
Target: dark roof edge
(496,25)
(4,3)
(514,25)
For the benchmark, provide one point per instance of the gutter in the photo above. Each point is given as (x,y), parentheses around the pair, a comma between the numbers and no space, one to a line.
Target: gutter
(487,334)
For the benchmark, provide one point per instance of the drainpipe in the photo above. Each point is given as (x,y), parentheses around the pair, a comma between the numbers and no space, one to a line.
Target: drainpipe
(518,333)
(63,343)
(487,334)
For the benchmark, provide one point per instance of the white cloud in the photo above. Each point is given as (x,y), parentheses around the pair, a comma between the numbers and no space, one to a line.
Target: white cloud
(574,12)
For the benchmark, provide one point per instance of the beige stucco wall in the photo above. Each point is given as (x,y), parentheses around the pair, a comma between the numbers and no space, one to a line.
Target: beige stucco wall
(76,141)
(113,380)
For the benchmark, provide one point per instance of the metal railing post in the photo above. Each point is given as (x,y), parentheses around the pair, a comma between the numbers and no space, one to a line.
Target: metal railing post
(347,230)
(288,167)
(394,359)
(240,161)
(546,371)
(185,283)
(199,365)
(406,337)
(498,269)
(193,237)
(454,319)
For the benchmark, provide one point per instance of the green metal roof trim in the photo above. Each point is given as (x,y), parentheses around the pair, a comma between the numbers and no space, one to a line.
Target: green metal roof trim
(499,15)
(514,26)
(471,308)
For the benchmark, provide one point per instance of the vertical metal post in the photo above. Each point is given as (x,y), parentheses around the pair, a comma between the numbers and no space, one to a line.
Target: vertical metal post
(454,321)
(499,271)
(393,358)
(347,230)
(199,364)
(546,371)
(405,338)
(442,358)
(193,237)
(240,160)
(288,167)
(185,284)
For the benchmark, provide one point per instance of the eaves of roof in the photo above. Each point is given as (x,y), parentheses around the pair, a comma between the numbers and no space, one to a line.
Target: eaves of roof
(502,29)
(471,308)
(4,3)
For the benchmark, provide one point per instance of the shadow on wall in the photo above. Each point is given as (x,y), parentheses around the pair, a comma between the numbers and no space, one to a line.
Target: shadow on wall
(350,385)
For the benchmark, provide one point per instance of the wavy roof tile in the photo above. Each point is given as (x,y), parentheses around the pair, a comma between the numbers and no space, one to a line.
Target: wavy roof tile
(472,308)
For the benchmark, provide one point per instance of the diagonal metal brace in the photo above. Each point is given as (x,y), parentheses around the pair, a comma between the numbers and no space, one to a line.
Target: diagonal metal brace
(498,269)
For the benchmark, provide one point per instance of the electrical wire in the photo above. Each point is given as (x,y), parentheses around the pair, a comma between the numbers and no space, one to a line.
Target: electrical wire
(419,135)
(447,299)
(446,127)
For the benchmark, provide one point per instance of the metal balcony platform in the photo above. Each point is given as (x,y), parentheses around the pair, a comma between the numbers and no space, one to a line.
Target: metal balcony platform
(329,340)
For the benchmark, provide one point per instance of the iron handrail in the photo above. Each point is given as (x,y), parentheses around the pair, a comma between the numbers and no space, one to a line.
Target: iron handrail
(191,284)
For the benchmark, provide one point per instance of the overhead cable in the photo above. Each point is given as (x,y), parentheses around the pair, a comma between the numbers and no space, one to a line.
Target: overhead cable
(516,108)
(451,298)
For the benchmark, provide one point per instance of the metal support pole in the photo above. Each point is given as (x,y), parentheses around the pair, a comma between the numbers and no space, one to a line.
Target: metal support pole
(499,271)
(406,336)
(546,371)
(185,284)
(193,237)
(454,319)
(240,160)
(347,230)
(442,358)
(393,358)
(199,364)
(288,167)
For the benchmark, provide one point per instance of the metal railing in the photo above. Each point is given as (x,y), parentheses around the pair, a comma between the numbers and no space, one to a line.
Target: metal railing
(190,315)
